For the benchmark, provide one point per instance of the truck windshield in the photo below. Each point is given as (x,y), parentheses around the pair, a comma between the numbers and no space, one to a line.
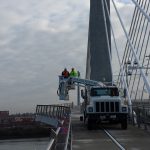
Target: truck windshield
(104,92)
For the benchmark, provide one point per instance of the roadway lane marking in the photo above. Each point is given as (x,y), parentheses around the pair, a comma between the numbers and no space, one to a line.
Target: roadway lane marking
(114,140)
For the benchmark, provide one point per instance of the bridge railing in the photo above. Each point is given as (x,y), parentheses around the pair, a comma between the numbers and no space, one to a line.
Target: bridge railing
(142,114)
(54,111)
(53,140)
(68,143)
(60,138)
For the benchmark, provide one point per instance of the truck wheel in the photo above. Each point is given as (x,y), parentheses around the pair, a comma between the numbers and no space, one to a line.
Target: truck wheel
(89,124)
(81,118)
(124,124)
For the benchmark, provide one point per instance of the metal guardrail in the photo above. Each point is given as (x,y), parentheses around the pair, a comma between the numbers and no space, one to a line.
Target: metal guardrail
(66,104)
(52,143)
(54,111)
(142,115)
(61,139)
(68,143)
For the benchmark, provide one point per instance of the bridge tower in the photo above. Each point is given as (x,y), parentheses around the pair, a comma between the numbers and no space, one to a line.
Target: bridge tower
(98,65)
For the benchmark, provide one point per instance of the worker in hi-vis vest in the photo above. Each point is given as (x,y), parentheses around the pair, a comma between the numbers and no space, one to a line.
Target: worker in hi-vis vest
(73,73)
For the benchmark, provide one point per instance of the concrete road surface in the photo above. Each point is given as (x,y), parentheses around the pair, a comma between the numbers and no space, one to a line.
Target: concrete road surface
(131,139)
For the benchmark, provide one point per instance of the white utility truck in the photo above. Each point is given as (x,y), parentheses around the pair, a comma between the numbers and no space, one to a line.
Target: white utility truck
(102,102)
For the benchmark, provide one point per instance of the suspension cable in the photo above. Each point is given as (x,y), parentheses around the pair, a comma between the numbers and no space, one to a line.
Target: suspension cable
(147,68)
(140,8)
(134,33)
(133,50)
(122,70)
(131,35)
(140,53)
(143,63)
(140,36)
(125,51)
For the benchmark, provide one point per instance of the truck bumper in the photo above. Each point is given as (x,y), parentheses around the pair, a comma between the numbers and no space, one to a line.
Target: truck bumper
(116,117)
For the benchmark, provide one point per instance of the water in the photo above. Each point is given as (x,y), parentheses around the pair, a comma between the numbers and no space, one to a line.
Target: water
(24,144)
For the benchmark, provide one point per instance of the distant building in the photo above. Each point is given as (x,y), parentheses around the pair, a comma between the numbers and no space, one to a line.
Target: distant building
(24,119)
(4,117)
(7,120)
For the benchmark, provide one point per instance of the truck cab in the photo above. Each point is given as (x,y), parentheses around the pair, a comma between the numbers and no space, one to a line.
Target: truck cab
(104,104)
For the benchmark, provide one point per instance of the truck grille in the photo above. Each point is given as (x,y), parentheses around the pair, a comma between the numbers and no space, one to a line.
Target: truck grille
(107,107)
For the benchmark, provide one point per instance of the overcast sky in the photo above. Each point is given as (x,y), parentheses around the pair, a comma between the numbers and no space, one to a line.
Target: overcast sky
(37,40)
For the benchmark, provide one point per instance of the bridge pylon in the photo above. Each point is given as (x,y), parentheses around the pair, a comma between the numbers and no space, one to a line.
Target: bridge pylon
(98,65)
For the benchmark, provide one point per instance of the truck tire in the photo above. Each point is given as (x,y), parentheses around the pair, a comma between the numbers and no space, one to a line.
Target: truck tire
(89,124)
(124,124)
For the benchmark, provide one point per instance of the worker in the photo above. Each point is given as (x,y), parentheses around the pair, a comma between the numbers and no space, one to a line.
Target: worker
(65,73)
(73,73)
(78,74)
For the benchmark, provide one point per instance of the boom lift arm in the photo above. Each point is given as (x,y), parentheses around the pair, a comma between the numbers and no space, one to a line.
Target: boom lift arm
(66,84)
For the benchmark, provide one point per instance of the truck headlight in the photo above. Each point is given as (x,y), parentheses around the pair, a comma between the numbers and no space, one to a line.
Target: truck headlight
(124,109)
(90,109)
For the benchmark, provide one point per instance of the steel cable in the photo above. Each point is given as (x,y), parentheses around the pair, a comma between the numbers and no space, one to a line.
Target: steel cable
(141,48)
(130,35)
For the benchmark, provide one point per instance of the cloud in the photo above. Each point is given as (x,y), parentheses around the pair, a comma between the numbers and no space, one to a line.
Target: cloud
(37,40)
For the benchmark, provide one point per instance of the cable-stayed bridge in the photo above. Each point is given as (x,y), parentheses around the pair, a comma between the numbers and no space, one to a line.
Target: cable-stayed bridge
(132,80)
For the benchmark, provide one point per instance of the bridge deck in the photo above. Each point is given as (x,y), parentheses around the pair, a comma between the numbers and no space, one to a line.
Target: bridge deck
(132,138)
